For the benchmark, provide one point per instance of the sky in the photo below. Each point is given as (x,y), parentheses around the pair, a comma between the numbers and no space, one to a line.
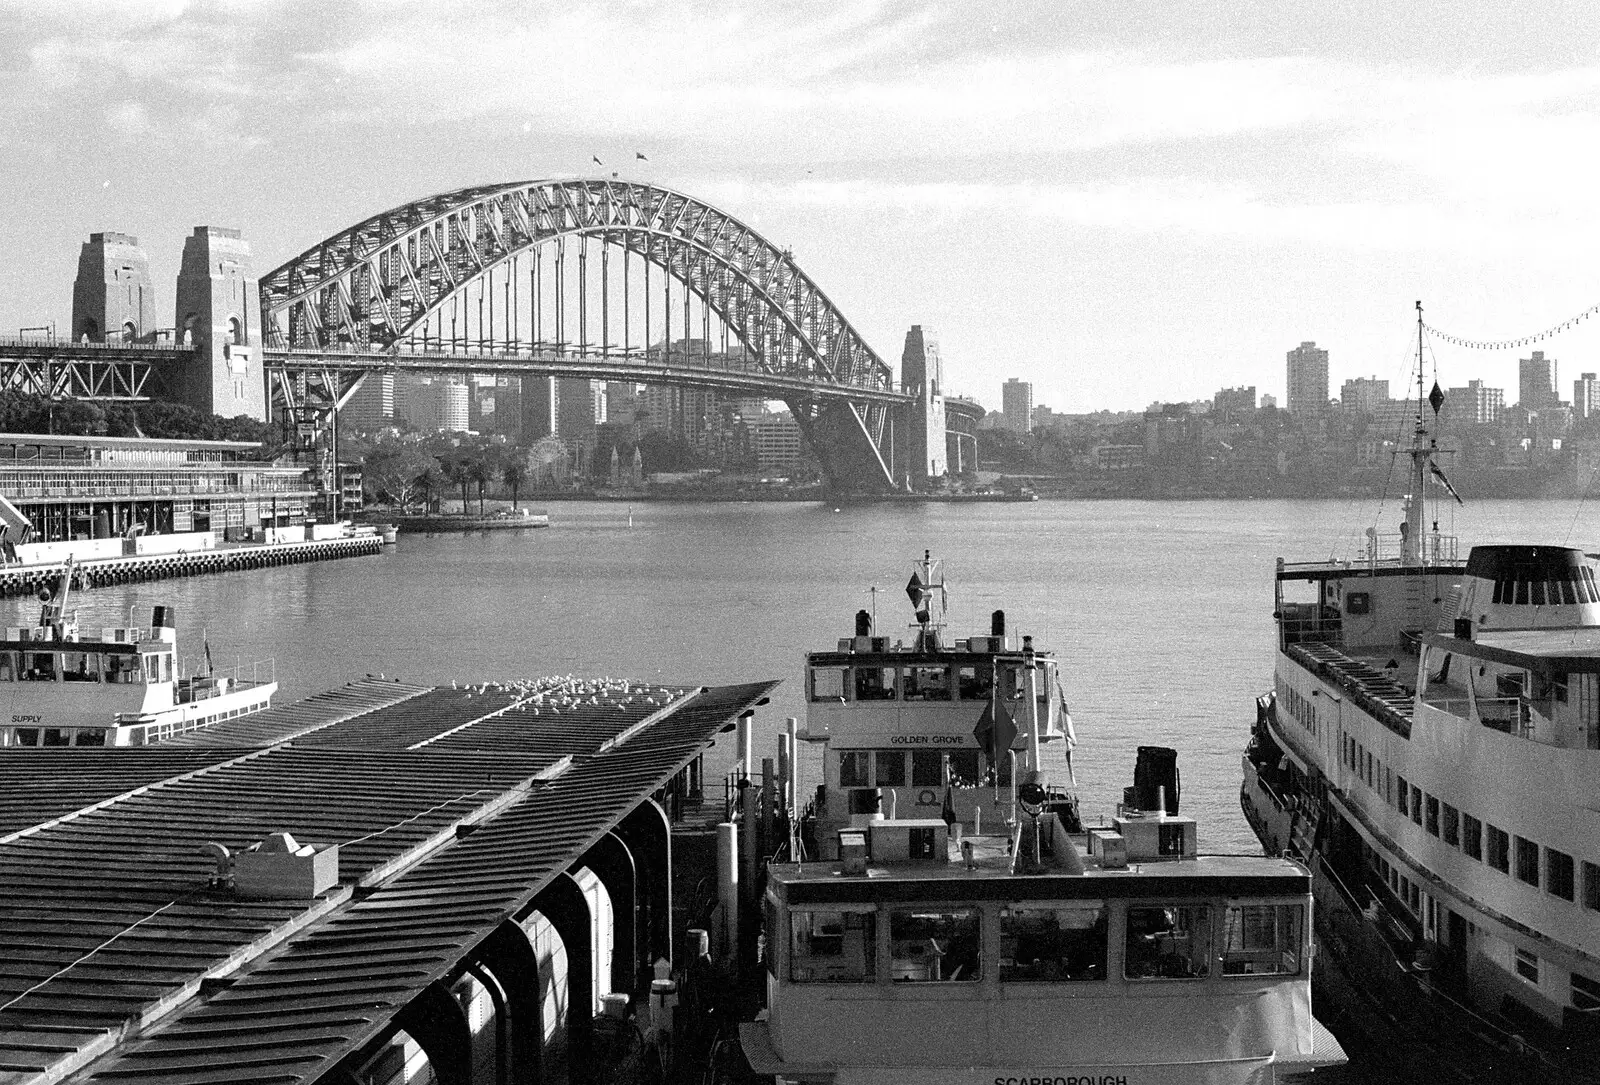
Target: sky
(1121,202)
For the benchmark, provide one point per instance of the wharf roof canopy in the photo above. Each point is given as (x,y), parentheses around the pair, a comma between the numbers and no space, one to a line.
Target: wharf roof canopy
(110,928)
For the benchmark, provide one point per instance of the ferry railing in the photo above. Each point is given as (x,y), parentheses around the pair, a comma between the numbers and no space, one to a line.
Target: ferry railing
(1345,925)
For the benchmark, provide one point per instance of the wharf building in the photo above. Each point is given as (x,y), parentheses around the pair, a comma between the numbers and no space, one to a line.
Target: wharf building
(384,883)
(76,488)
(1307,388)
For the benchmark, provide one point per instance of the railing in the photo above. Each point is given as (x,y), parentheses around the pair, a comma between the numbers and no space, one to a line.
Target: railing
(71,344)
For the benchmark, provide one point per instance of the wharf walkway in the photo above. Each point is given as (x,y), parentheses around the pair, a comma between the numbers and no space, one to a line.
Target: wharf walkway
(103,572)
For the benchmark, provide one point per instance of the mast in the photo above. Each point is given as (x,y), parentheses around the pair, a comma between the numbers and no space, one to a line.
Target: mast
(1411,550)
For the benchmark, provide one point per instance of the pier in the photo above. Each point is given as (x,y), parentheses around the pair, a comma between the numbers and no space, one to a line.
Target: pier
(105,572)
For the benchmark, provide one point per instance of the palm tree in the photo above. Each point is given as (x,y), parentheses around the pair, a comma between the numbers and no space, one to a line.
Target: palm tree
(514,473)
(455,468)
(480,467)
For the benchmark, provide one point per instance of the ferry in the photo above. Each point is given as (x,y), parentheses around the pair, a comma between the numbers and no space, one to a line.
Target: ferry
(966,924)
(122,688)
(1431,749)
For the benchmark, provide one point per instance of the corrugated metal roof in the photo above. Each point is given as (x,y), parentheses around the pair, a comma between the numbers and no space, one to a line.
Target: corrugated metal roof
(283,722)
(106,916)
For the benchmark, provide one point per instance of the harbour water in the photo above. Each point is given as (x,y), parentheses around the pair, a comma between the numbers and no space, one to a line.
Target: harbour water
(1161,611)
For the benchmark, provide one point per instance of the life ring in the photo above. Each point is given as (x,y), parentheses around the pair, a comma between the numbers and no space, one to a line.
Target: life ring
(926,797)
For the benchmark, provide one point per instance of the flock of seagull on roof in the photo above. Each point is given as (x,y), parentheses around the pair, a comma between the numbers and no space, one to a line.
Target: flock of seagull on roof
(557,692)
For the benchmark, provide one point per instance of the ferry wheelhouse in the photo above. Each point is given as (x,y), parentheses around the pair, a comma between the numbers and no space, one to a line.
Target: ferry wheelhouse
(990,934)
(122,688)
(1432,748)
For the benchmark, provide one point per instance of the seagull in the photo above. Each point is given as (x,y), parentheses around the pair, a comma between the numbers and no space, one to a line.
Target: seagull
(597,160)
(640,156)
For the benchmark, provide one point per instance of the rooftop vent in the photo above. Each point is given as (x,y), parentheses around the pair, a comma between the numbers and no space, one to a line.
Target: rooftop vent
(280,868)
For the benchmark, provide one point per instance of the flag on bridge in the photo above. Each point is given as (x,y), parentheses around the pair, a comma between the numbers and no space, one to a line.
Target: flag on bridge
(640,156)
(597,160)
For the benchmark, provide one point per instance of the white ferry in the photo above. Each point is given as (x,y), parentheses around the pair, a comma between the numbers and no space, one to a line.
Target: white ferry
(120,689)
(1432,749)
(968,927)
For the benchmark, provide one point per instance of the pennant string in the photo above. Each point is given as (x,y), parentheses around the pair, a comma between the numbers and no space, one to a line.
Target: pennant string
(1513,344)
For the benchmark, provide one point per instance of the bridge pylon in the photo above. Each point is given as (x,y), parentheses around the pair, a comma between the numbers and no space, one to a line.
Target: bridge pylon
(219,312)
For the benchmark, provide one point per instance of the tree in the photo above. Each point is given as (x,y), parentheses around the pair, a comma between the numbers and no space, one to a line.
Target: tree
(480,467)
(396,471)
(453,465)
(514,473)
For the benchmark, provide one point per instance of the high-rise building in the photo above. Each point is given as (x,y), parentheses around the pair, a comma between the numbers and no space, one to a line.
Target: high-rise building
(1016,403)
(1363,395)
(440,405)
(775,440)
(1229,404)
(1473,405)
(1586,396)
(1536,383)
(372,405)
(1308,380)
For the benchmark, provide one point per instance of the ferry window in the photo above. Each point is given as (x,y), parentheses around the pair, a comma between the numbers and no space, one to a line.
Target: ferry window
(123,669)
(832,946)
(927,684)
(1431,815)
(827,683)
(1499,850)
(890,767)
(1538,593)
(874,683)
(1472,837)
(1591,886)
(1168,943)
(55,736)
(90,736)
(1528,966)
(975,683)
(1262,939)
(1402,795)
(39,666)
(1049,945)
(769,933)
(1585,992)
(1416,804)
(8,666)
(855,768)
(1013,684)
(80,667)
(1357,602)
(927,768)
(1451,825)
(1558,873)
(1527,861)
(964,771)
(27,736)
(1558,684)
(934,946)
(1522,592)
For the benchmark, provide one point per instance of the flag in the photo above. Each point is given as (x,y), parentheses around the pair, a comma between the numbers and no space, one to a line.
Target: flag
(640,156)
(209,668)
(949,811)
(1433,469)
(1066,725)
(597,160)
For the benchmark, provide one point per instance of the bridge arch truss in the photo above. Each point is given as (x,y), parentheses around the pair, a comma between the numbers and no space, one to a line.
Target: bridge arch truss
(488,271)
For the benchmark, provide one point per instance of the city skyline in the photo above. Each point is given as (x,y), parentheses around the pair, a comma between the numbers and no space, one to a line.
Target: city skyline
(1116,206)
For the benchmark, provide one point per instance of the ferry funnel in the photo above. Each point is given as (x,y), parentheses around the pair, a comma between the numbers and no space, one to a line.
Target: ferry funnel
(997,624)
(863,624)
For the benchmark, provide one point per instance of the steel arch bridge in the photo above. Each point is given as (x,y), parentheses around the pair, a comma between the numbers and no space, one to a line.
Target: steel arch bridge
(481,278)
